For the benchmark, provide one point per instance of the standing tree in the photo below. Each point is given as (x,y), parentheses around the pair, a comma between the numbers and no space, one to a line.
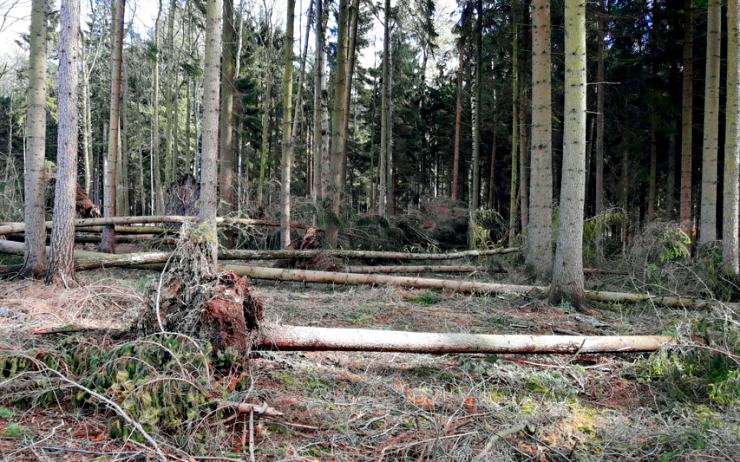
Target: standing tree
(227,155)
(687,119)
(34,264)
(475,104)
(600,86)
(287,161)
(318,80)
(708,223)
(61,263)
(732,142)
(385,95)
(567,280)
(539,235)
(108,241)
(514,186)
(208,206)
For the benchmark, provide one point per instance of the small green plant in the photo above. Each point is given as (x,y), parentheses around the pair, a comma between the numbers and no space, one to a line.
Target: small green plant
(674,246)
(14,430)
(427,298)
(6,413)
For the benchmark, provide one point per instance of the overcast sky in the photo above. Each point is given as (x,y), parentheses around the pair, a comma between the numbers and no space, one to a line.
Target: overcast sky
(15,16)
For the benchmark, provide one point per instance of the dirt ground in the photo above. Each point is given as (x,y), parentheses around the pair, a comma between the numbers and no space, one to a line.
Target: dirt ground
(383,406)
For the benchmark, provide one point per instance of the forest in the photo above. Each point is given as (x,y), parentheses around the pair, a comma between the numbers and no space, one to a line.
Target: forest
(369,230)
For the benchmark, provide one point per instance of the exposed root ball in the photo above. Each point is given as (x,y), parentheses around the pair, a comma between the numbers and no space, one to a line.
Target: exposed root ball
(193,299)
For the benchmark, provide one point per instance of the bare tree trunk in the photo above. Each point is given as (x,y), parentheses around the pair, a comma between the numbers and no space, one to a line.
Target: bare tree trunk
(475,104)
(286,165)
(318,80)
(687,120)
(338,127)
(492,165)
(86,128)
(653,172)
(169,167)
(265,148)
(226,152)
(414,269)
(122,178)
(539,235)
(34,263)
(108,242)
(514,189)
(385,95)
(732,143)
(567,281)
(300,338)
(454,188)
(209,154)
(600,87)
(708,223)
(157,192)
(61,262)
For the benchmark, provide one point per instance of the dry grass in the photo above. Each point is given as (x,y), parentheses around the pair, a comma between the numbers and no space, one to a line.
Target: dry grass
(382,407)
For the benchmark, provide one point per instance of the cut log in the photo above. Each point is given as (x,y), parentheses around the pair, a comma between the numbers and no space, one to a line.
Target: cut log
(414,269)
(326,277)
(129,229)
(9,228)
(299,338)
(358,254)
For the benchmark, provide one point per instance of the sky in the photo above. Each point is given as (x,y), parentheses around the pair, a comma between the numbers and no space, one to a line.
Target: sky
(15,17)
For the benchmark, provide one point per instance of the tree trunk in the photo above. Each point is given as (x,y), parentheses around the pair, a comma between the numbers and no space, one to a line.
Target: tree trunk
(241,254)
(300,338)
(600,88)
(708,223)
(265,146)
(156,170)
(286,165)
(338,127)
(385,95)
(414,269)
(567,281)
(687,120)
(318,79)
(653,172)
(492,165)
(670,187)
(34,264)
(122,177)
(732,143)
(169,167)
(86,128)
(61,262)
(209,153)
(227,204)
(454,188)
(514,189)
(539,235)
(108,242)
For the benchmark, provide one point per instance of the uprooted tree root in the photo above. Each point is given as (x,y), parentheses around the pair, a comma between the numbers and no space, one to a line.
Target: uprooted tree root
(193,299)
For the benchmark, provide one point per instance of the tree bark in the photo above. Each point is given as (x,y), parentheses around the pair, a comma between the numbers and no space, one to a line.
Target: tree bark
(455,187)
(568,281)
(492,165)
(286,165)
(209,151)
(108,242)
(300,338)
(687,121)
(514,189)
(414,269)
(318,79)
(34,263)
(385,95)
(539,235)
(653,172)
(600,87)
(227,204)
(170,161)
(475,103)
(61,263)
(156,170)
(708,222)
(732,143)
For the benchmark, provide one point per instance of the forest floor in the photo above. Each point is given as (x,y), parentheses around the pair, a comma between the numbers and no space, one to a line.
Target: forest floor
(381,406)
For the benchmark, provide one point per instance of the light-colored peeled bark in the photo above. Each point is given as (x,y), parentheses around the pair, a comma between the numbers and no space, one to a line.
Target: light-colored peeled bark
(34,264)
(708,212)
(300,338)
(208,202)
(539,236)
(732,142)
(567,281)
(108,242)
(286,165)
(61,263)
(241,254)
(687,119)
(414,269)
(227,157)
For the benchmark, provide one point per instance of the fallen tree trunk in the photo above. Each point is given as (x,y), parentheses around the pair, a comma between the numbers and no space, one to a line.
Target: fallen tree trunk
(9,228)
(413,269)
(357,254)
(326,277)
(129,230)
(299,338)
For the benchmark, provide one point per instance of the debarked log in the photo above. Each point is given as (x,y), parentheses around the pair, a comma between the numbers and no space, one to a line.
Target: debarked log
(300,338)
(358,254)
(414,269)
